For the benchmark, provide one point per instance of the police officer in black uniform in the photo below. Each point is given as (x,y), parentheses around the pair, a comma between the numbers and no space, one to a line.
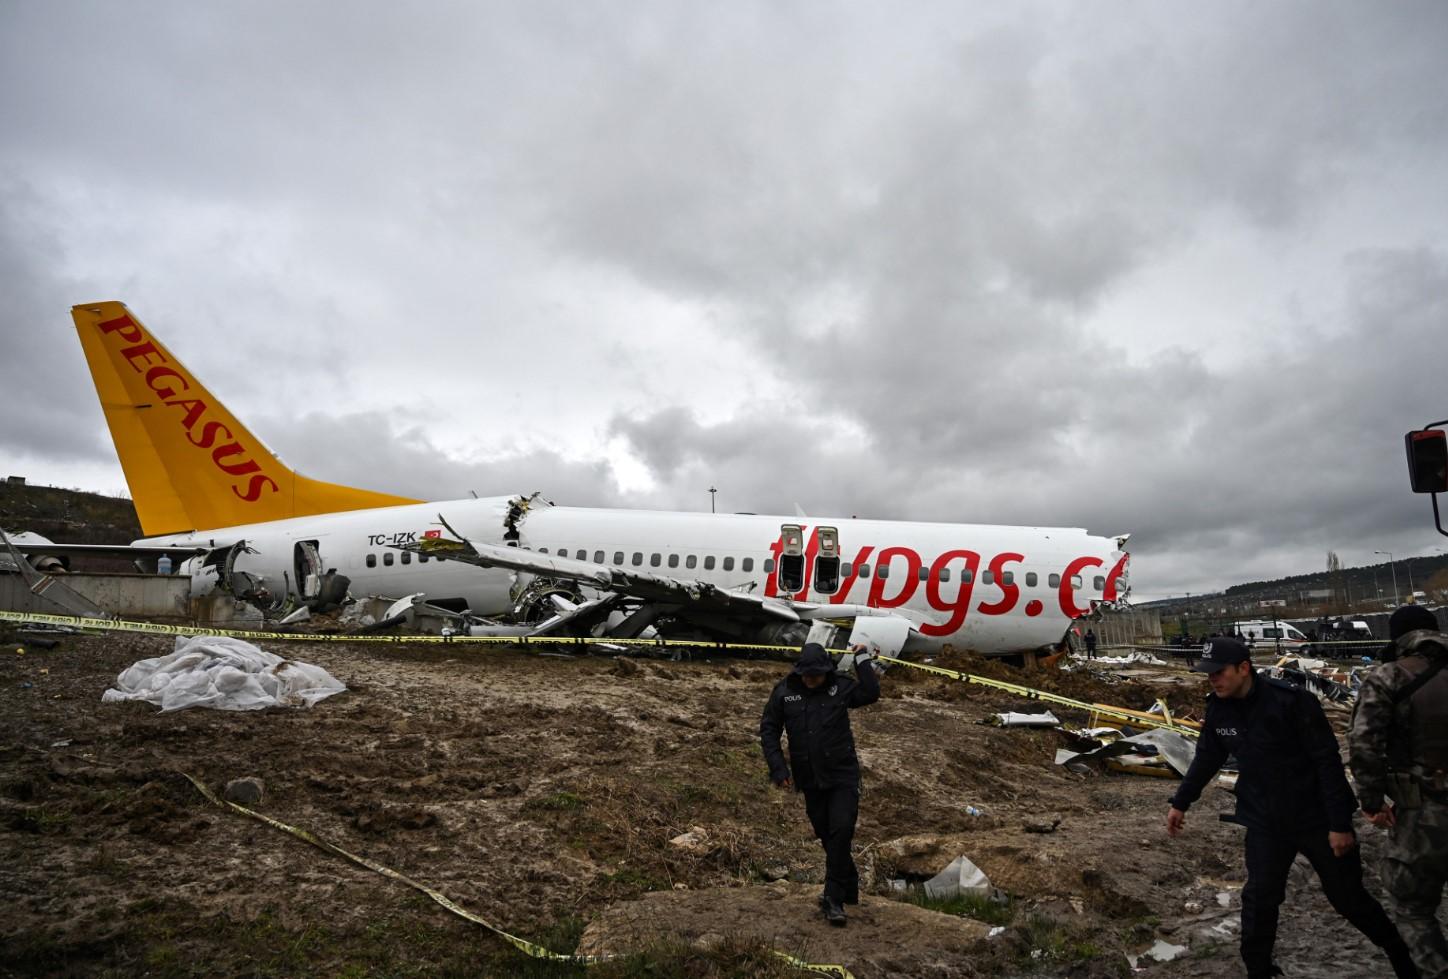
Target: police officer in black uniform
(812,706)
(1292,796)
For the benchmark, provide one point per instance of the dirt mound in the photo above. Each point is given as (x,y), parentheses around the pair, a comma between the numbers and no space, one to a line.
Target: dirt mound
(883,937)
(1078,682)
(543,794)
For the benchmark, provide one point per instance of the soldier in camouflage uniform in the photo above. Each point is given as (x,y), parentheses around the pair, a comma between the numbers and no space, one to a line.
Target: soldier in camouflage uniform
(1399,750)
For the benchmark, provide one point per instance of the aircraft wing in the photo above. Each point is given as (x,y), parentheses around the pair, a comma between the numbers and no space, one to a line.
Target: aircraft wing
(692,599)
(177,552)
(645,585)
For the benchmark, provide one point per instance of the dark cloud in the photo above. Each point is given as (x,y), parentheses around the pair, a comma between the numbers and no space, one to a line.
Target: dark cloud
(865,263)
(50,408)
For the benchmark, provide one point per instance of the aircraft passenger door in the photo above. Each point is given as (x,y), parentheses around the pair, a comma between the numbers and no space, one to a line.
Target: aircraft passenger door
(308,565)
(827,561)
(791,558)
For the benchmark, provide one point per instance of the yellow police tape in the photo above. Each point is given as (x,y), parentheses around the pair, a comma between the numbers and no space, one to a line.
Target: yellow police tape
(160,629)
(119,625)
(522,944)
(1117,713)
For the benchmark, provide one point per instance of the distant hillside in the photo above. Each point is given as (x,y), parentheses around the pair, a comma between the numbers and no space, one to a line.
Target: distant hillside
(1359,585)
(73,517)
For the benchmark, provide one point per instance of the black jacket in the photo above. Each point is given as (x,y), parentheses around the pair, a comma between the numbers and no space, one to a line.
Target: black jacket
(821,746)
(1290,774)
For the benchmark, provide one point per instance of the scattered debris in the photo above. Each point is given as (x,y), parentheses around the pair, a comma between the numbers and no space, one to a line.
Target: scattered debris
(1154,752)
(960,879)
(695,841)
(1134,657)
(1014,719)
(1162,951)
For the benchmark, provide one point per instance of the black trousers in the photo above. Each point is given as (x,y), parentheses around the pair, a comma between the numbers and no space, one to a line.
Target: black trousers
(832,813)
(1269,859)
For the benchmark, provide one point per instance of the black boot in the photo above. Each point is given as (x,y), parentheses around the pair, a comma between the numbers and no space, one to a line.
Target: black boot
(834,912)
(1402,960)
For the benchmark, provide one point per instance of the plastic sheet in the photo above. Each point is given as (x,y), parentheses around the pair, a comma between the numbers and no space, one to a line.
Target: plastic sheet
(222,673)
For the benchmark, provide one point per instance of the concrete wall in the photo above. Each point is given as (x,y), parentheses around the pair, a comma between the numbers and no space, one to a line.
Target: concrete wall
(148,595)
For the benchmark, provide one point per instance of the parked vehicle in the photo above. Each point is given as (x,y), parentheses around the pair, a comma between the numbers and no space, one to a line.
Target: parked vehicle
(1270,634)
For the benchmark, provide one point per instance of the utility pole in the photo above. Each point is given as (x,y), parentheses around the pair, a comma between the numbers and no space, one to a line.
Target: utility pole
(712,491)
(1396,598)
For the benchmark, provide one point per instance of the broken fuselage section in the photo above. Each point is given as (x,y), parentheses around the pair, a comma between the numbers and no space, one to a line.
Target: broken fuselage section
(518,565)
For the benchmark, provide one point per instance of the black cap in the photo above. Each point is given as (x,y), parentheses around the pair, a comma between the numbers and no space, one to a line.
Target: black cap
(1408,619)
(1222,651)
(814,658)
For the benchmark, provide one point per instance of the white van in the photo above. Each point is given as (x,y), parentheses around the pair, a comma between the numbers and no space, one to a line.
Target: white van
(1268,633)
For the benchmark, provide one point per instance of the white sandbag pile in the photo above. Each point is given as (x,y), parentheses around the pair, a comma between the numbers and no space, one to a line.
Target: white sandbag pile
(225,674)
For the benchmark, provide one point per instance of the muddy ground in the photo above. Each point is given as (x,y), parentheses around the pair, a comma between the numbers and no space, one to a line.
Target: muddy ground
(542,793)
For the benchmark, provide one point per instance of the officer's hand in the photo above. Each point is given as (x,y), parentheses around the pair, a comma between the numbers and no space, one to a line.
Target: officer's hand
(1341,843)
(785,783)
(1385,817)
(1175,820)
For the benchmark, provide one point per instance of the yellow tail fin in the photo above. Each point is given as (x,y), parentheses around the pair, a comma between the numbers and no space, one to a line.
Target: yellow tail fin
(190,464)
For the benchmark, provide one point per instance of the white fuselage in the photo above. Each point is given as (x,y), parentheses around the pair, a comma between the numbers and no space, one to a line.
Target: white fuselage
(1025,584)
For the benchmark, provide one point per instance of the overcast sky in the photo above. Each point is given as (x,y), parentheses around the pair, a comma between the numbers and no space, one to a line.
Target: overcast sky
(1177,269)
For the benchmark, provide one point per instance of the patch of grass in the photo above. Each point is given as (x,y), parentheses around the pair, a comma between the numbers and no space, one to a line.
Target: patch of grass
(963,905)
(634,879)
(40,819)
(562,801)
(1046,939)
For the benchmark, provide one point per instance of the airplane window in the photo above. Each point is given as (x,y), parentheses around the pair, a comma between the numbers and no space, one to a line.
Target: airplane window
(966,576)
(1008,577)
(1054,581)
(864,571)
(406,557)
(673,560)
(597,557)
(422,559)
(637,559)
(1075,581)
(1030,579)
(387,559)
(883,571)
(618,557)
(768,565)
(924,574)
(372,560)
(542,550)
(1099,583)
(944,574)
(654,560)
(728,564)
(844,568)
(708,562)
(747,564)
(691,561)
(987,578)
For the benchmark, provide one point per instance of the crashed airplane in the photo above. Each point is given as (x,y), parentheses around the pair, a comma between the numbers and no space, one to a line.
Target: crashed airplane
(209,492)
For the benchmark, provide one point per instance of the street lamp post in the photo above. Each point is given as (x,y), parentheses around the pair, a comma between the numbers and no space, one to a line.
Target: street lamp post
(1396,599)
(712,491)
